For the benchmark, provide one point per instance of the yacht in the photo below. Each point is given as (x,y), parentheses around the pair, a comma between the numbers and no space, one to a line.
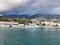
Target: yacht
(31,25)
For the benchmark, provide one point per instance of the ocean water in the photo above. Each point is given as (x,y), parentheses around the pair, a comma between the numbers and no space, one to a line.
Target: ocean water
(26,36)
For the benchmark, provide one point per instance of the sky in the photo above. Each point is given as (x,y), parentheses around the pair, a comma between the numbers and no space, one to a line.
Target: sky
(29,7)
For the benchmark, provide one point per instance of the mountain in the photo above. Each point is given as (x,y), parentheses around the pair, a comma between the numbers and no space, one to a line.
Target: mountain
(49,16)
(16,16)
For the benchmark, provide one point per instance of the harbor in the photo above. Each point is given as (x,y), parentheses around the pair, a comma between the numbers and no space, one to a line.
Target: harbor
(30,25)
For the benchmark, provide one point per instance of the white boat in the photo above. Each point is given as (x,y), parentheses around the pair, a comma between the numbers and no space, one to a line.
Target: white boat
(30,25)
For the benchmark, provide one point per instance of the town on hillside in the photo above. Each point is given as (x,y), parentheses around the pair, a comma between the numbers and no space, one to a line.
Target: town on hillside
(34,22)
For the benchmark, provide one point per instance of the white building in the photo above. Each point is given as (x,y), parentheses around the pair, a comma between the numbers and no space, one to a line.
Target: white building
(49,23)
(58,24)
(46,23)
(21,25)
(8,24)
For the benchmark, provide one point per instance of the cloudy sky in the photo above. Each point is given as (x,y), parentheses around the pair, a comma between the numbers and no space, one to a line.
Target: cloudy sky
(30,6)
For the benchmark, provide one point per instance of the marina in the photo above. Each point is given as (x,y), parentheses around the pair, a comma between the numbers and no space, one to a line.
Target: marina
(30,25)
(29,22)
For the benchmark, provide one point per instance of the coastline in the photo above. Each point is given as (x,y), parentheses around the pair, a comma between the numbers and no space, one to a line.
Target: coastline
(30,25)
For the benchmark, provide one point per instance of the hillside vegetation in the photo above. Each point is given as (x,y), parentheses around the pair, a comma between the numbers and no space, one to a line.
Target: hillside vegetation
(20,21)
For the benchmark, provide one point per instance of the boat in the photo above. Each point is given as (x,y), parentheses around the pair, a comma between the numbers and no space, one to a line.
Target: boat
(30,25)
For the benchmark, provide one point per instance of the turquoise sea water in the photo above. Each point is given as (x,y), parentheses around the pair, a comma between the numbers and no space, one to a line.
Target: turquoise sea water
(26,36)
